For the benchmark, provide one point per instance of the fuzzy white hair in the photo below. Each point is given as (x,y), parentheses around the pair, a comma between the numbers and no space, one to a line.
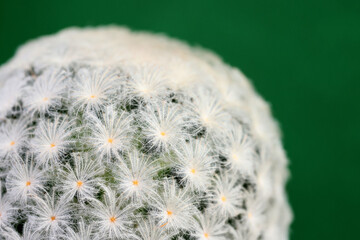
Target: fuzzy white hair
(107,133)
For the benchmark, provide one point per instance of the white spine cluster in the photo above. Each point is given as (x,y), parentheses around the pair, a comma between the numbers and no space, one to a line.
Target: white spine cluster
(110,134)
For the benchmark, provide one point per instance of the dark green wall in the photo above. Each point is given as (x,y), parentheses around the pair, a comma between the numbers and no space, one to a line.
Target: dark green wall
(303,57)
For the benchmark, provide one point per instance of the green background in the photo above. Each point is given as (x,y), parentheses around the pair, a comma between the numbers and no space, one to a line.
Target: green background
(302,56)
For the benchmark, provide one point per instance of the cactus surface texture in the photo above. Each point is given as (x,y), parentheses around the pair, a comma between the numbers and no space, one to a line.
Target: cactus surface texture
(107,133)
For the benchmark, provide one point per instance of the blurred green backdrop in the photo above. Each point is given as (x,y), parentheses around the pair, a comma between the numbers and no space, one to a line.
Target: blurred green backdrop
(303,56)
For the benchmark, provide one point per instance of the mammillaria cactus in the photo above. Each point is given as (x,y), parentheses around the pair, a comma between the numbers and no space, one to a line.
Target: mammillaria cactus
(112,134)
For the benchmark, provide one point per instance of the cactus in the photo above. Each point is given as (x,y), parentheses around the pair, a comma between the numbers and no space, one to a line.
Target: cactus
(107,133)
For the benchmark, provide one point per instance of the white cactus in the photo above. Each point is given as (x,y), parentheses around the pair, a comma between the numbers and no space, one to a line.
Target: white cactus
(111,134)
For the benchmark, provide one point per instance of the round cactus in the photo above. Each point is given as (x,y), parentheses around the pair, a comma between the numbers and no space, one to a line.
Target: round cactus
(111,134)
